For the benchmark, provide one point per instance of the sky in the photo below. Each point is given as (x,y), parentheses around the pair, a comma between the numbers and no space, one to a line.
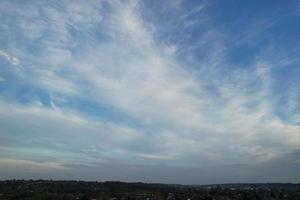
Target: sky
(173,91)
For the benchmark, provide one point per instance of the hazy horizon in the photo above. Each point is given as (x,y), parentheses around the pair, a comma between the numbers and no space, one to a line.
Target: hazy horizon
(174,91)
(150,183)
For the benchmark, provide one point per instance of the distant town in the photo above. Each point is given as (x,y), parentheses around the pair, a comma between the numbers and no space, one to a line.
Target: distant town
(82,190)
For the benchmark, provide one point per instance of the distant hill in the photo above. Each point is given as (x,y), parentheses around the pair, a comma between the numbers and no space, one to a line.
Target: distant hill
(115,190)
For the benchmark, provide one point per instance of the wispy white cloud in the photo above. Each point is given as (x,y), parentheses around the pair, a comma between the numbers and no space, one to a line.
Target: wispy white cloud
(30,165)
(207,111)
(40,127)
(11,59)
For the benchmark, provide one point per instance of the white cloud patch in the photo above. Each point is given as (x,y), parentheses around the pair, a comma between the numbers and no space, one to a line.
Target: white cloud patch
(27,165)
(38,132)
(11,59)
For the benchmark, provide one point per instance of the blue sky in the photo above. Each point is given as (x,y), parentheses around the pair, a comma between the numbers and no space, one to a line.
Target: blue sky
(172,91)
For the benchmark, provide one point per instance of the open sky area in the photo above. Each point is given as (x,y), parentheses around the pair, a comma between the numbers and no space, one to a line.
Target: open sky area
(170,91)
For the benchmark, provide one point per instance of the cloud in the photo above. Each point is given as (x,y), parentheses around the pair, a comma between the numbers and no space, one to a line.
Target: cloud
(185,102)
(52,82)
(11,59)
(36,132)
(29,165)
